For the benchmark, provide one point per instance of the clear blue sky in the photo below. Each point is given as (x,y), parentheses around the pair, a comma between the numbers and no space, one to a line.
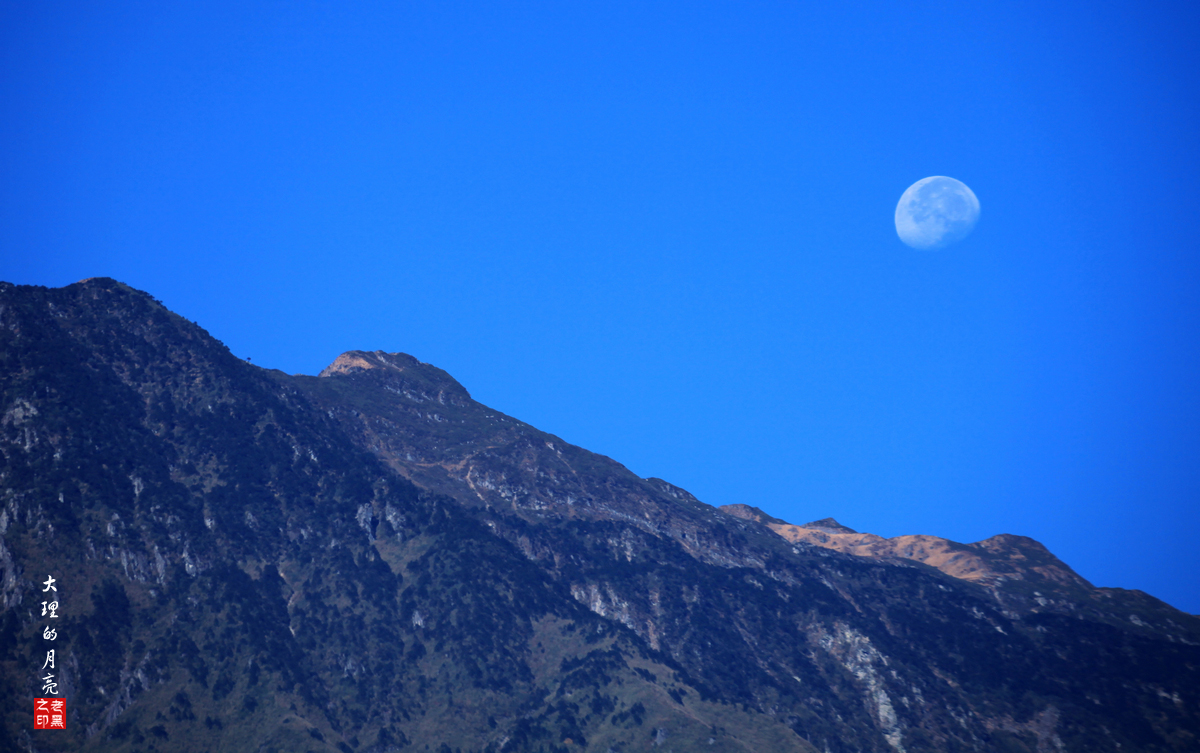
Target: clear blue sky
(663,231)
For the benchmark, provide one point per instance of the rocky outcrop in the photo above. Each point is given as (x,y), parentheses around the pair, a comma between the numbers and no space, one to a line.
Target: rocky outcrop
(991,561)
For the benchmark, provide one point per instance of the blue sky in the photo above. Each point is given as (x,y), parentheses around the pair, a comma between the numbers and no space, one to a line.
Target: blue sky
(663,231)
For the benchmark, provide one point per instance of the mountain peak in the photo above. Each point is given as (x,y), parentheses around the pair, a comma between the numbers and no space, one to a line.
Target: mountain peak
(991,561)
(828,525)
(103,282)
(354,361)
(391,365)
(750,512)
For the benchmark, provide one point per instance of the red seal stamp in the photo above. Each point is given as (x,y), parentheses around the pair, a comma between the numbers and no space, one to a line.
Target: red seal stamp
(49,713)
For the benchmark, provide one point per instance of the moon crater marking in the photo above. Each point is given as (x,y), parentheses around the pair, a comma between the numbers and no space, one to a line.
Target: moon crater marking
(935,212)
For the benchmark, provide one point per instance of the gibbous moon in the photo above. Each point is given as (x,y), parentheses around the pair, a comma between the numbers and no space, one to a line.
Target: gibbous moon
(935,212)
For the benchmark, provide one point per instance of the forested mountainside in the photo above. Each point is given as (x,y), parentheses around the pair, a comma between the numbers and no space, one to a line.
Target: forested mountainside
(369,560)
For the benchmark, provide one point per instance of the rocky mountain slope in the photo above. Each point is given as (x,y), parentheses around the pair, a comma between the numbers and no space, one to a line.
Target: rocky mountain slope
(369,560)
(991,562)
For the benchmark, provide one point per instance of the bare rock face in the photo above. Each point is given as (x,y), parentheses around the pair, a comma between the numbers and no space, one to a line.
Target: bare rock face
(990,562)
(370,560)
(403,372)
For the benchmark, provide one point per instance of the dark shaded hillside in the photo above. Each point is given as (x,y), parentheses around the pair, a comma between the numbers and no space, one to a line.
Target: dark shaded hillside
(235,574)
(372,561)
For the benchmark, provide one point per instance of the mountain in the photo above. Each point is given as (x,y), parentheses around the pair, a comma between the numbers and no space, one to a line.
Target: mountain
(370,560)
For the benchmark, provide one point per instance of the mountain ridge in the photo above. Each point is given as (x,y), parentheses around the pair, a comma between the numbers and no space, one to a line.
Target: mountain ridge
(990,560)
(371,560)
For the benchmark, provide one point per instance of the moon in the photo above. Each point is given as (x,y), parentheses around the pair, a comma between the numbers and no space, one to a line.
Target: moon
(936,212)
